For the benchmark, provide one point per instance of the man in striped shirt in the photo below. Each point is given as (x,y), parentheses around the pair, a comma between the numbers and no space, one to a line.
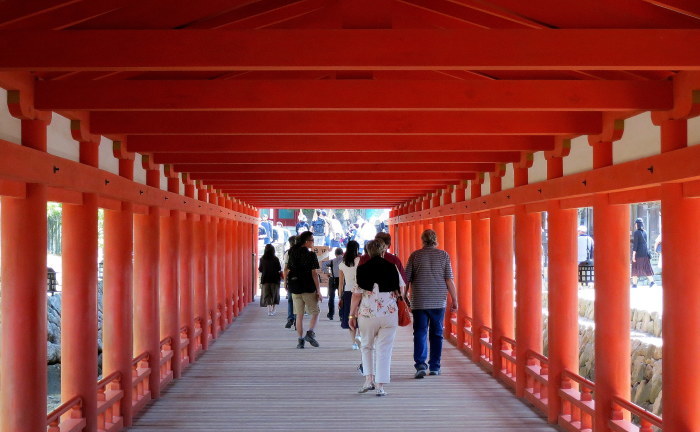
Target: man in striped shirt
(429,277)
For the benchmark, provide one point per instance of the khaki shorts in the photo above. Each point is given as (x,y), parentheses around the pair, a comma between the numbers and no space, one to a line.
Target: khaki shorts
(308,301)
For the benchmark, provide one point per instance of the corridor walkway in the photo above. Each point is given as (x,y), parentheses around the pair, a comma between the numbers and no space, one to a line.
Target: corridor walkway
(254,379)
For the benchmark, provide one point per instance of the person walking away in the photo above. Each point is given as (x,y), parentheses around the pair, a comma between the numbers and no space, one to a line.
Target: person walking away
(386,239)
(270,275)
(291,318)
(301,225)
(429,278)
(333,280)
(348,283)
(268,229)
(641,258)
(302,278)
(374,308)
(319,228)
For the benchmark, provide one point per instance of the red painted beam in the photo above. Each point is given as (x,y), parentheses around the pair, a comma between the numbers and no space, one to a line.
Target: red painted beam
(338,143)
(324,157)
(332,168)
(214,95)
(379,176)
(142,50)
(347,122)
(15,11)
(259,14)
(690,8)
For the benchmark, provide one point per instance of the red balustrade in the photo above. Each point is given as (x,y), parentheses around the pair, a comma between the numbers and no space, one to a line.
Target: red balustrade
(468,335)
(577,404)
(453,325)
(184,347)
(486,347)
(197,336)
(141,393)
(537,376)
(109,396)
(648,421)
(508,361)
(166,360)
(72,413)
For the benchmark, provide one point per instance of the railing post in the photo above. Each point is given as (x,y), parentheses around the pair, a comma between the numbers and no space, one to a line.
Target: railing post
(464,281)
(168,287)
(481,281)
(23,385)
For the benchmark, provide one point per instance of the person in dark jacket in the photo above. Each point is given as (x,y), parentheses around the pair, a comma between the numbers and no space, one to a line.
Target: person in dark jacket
(641,258)
(270,276)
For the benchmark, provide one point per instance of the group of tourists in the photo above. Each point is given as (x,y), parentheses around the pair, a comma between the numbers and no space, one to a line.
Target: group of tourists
(369,286)
(331,230)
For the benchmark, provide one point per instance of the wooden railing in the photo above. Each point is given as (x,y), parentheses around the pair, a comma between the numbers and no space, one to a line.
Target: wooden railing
(453,325)
(486,347)
(166,362)
(197,336)
(141,392)
(468,334)
(109,396)
(648,421)
(577,404)
(73,422)
(536,379)
(184,347)
(508,361)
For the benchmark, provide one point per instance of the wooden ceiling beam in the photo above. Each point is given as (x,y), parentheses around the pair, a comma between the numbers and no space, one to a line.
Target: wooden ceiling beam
(337,143)
(348,123)
(331,168)
(366,50)
(366,95)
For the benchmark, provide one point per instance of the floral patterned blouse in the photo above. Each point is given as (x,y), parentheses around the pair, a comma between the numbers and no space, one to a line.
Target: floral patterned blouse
(379,301)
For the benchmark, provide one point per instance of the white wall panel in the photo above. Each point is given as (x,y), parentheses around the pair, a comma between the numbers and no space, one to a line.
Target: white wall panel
(538,172)
(139,172)
(10,127)
(580,158)
(639,140)
(59,140)
(694,131)
(508,178)
(107,160)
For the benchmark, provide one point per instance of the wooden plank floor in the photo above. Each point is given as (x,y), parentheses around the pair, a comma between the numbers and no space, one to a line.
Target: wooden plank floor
(254,379)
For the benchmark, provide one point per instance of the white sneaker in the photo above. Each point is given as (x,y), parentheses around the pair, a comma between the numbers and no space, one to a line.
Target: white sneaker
(355,346)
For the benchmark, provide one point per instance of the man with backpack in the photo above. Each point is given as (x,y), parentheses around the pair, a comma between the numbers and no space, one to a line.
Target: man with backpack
(320,228)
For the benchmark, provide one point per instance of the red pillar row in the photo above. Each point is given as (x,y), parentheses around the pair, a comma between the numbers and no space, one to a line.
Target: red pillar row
(169,258)
(23,386)
(501,283)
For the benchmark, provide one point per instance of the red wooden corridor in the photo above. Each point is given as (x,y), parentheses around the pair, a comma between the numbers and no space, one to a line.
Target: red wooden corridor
(472,117)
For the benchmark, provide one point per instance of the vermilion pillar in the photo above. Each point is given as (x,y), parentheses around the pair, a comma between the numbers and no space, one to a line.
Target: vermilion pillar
(146,321)
(681,297)
(464,282)
(481,280)
(185,279)
(117,326)
(229,266)
(23,362)
(681,303)
(212,274)
(79,299)
(528,313)
(501,283)
(450,241)
(242,252)
(199,276)
(563,301)
(168,290)
(612,306)
(235,267)
(221,269)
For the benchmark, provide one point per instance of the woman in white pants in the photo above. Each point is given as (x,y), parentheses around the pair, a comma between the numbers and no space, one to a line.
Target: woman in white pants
(374,306)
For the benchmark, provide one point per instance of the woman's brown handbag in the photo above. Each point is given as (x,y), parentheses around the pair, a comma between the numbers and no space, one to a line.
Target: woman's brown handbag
(404,312)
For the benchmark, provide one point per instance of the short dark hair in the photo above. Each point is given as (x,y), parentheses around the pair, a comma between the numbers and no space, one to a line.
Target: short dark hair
(338,251)
(385,237)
